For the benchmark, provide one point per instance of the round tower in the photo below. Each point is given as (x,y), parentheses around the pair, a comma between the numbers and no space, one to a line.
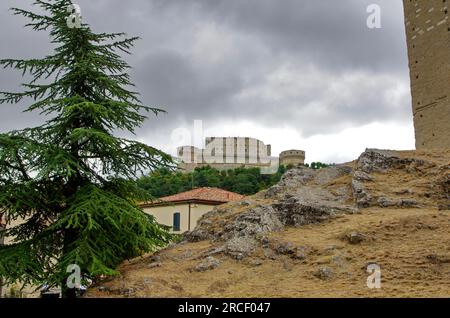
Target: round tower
(292,157)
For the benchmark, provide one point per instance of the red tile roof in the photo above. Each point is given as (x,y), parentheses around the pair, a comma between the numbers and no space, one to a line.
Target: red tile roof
(204,194)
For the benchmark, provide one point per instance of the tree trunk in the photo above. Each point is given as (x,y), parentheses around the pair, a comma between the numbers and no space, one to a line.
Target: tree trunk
(2,242)
(66,292)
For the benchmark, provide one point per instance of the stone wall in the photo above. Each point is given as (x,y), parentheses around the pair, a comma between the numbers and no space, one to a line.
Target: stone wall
(428,37)
(225,153)
(190,167)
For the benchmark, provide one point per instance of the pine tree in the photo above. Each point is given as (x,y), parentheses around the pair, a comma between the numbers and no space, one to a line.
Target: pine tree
(71,179)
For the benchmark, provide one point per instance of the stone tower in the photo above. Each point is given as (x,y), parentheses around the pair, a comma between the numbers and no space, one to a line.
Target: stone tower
(428,37)
(292,157)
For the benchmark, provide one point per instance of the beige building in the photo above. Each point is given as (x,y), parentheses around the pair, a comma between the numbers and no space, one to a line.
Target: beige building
(183,210)
(428,37)
(225,153)
(7,290)
(2,227)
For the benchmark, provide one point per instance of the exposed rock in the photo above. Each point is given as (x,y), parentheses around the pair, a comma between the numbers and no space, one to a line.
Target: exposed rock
(306,196)
(324,273)
(438,259)
(337,260)
(255,222)
(444,182)
(362,197)
(197,235)
(127,292)
(330,250)
(155,259)
(240,247)
(300,205)
(299,255)
(264,240)
(409,203)
(386,202)
(404,191)
(255,262)
(270,254)
(208,263)
(381,161)
(103,288)
(376,160)
(323,176)
(421,226)
(362,176)
(297,211)
(291,180)
(273,191)
(297,177)
(206,222)
(285,248)
(154,265)
(215,251)
(185,255)
(355,237)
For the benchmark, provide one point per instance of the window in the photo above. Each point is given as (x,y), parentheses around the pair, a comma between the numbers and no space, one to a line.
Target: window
(176,222)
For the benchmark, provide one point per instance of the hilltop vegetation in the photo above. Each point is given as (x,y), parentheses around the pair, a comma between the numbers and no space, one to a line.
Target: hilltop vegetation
(164,182)
(247,181)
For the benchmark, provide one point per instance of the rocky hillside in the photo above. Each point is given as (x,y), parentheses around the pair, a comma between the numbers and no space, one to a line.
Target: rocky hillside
(313,235)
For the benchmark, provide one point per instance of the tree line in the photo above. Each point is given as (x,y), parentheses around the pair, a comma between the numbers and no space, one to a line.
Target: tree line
(247,181)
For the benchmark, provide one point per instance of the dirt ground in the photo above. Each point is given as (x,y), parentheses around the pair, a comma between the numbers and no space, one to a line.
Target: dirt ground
(411,246)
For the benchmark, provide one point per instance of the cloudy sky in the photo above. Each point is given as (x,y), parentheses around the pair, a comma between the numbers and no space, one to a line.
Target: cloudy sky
(297,74)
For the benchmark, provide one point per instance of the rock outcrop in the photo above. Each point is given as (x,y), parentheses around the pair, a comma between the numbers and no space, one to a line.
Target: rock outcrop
(314,234)
(305,196)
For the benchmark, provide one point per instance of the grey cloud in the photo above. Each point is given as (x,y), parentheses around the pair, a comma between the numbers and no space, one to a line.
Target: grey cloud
(330,32)
(171,80)
(253,40)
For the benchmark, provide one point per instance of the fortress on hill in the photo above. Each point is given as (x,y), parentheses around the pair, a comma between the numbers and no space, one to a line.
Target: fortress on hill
(428,37)
(225,153)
